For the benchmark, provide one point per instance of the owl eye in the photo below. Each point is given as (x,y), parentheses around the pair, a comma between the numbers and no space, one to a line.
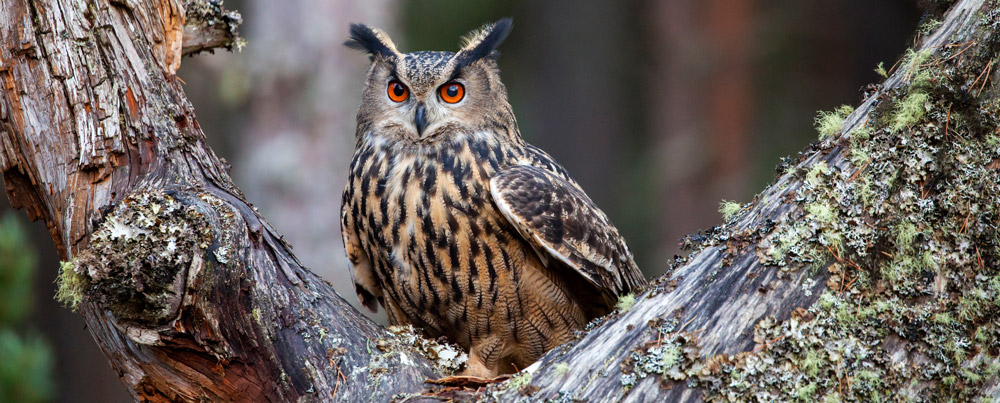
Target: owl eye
(452,92)
(397,91)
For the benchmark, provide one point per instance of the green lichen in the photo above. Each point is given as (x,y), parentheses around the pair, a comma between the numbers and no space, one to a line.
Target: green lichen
(929,26)
(518,381)
(822,212)
(625,302)
(906,233)
(909,111)
(943,318)
(256,316)
(907,223)
(817,173)
(880,70)
(812,363)
(861,134)
(858,156)
(729,209)
(806,392)
(671,356)
(561,368)
(827,123)
(917,59)
(70,285)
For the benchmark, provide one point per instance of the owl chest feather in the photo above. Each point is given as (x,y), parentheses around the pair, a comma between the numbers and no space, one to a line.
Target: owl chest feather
(438,245)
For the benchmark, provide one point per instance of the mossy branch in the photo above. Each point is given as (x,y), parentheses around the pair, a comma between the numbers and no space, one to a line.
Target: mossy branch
(868,267)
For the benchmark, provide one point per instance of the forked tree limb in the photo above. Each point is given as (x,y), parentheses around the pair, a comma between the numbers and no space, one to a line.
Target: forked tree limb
(192,296)
(202,299)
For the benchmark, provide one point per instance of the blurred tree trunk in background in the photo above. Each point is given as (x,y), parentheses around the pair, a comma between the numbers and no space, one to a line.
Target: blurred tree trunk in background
(573,91)
(194,297)
(699,111)
(733,86)
(295,91)
(596,85)
(572,71)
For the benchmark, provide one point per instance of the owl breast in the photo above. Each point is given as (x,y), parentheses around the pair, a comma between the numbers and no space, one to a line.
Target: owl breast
(444,257)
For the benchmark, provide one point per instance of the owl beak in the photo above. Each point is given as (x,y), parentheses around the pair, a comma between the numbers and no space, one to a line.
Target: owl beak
(420,120)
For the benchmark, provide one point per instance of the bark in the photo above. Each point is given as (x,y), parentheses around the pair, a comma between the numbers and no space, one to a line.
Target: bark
(298,107)
(867,268)
(198,298)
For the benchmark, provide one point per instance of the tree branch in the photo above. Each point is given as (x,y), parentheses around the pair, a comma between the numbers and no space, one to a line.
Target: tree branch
(190,294)
(209,26)
(869,266)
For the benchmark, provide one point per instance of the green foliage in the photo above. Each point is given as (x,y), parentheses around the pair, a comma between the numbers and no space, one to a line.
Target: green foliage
(16,268)
(25,361)
(25,369)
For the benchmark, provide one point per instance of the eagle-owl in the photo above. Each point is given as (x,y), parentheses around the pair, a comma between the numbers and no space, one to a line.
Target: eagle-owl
(455,224)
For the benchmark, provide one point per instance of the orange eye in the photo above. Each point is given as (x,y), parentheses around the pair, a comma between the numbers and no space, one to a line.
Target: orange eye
(452,92)
(397,91)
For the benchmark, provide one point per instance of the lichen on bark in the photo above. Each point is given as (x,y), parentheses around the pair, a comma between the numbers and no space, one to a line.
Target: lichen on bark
(911,225)
(138,258)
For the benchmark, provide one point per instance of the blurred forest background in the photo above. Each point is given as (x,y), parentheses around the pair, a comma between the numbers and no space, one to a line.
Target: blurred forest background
(660,109)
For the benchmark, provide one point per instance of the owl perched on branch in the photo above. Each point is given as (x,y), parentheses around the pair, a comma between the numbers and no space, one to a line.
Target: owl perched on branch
(454,224)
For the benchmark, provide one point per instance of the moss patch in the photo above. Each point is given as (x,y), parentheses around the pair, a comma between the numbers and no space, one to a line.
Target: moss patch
(880,70)
(625,302)
(827,123)
(70,285)
(908,227)
(136,255)
(729,209)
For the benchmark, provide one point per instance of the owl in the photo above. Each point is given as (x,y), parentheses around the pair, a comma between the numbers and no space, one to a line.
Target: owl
(456,225)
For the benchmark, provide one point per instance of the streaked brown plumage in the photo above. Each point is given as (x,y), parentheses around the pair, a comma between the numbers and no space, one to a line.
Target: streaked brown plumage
(454,224)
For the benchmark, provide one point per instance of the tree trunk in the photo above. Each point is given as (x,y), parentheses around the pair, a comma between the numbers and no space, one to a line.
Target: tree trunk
(869,268)
(298,107)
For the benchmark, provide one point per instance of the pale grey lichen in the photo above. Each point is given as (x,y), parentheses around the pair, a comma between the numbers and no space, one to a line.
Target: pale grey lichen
(137,256)
(448,357)
(910,242)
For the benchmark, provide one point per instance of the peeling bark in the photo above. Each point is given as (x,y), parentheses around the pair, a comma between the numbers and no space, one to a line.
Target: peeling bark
(97,134)
(193,296)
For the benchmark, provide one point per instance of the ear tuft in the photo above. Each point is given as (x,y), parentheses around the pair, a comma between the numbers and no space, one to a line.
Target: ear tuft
(484,41)
(371,40)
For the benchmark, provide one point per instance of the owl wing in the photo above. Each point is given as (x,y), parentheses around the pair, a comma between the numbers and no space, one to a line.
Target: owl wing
(561,222)
(365,283)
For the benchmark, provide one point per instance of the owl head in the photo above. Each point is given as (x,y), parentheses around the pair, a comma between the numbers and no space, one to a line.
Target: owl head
(425,96)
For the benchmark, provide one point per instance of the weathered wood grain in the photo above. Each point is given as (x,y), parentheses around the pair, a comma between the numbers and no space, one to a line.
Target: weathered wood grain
(96,130)
(193,296)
